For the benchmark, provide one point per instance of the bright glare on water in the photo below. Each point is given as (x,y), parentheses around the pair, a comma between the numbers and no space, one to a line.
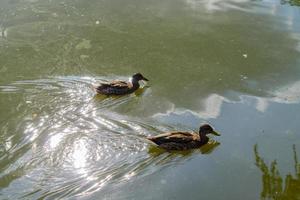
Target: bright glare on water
(231,63)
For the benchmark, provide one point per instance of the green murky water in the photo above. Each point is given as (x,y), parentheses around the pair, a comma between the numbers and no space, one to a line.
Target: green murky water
(233,64)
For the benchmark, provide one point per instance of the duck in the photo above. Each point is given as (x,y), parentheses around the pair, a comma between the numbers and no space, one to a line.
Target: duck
(121,87)
(183,140)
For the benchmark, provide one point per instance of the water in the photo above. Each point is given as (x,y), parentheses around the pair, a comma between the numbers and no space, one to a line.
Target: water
(233,64)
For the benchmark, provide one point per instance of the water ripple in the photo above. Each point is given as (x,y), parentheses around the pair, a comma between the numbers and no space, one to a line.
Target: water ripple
(69,142)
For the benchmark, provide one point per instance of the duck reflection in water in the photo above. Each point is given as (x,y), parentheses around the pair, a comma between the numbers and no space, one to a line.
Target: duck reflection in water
(273,182)
(205,149)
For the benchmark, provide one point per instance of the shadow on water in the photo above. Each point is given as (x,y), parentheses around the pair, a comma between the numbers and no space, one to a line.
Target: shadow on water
(118,98)
(205,149)
(276,186)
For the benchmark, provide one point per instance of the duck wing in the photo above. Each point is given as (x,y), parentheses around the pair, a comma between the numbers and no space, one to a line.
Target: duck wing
(174,137)
(117,84)
(115,87)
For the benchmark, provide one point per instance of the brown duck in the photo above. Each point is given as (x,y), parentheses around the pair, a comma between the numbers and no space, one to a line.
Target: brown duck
(183,140)
(121,87)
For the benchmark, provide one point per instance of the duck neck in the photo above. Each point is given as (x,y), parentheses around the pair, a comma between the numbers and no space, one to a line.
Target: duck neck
(203,138)
(135,83)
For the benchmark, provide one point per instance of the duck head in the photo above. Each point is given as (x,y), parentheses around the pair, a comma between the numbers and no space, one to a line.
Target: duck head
(139,77)
(207,129)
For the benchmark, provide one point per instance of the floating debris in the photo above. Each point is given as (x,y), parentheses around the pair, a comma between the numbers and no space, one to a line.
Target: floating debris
(84,44)
(3,32)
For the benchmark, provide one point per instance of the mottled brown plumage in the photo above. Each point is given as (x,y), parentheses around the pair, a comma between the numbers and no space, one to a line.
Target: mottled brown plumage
(121,87)
(183,140)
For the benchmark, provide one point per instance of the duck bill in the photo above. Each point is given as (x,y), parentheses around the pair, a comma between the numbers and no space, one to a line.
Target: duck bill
(215,133)
(145,79)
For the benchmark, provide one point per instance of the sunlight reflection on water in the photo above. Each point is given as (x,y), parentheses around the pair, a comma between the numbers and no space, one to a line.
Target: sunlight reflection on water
(83,146)
(77,135)
(79,157)
(210,61)
(216,5)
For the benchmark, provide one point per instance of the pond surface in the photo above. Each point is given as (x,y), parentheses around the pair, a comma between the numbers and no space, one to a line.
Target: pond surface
(233,64)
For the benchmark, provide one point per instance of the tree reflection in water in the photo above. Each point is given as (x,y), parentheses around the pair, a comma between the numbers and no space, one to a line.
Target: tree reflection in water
(291,2)
(272,181)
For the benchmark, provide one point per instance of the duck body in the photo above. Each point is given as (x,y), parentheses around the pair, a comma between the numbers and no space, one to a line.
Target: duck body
(183,140)
(116,88)
(120,87)
(179,140)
